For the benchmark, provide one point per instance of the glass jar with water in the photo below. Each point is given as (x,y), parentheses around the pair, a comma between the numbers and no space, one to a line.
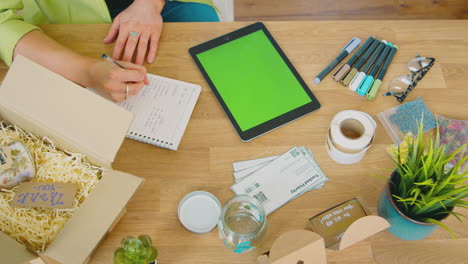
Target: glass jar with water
(242,224)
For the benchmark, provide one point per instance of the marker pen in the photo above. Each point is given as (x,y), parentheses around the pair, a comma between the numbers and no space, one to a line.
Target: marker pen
(369,79)
(358,78)
(376,85)
(345,81)
(344,69)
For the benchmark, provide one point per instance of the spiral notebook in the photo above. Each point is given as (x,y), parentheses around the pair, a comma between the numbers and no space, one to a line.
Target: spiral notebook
(161,111)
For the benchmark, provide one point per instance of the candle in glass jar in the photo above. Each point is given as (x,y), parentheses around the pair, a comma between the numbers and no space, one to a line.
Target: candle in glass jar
(16,164)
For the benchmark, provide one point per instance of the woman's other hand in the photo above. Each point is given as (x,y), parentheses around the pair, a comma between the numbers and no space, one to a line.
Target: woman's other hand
(137,30)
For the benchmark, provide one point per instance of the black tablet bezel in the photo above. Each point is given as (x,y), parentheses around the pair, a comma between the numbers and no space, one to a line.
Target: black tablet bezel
(270,124)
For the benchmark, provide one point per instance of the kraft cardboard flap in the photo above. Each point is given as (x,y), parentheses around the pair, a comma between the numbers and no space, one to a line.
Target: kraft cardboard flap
(361,229)
(35,261)
(96,215)
(263,259)
(45,103)
(298,245)
(47,260)
(13,252)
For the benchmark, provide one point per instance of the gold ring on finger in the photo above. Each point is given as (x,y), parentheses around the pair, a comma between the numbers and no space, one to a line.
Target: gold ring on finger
(126,91)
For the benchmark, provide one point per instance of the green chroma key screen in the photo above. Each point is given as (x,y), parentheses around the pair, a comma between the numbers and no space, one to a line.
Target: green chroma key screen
(253,80)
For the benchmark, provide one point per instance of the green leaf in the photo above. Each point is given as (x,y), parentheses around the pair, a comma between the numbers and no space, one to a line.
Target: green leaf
(415,192)
(433,221)
(135,251)
(401,200)
(145,240)
(153,254)
(119,256)
(447,198)
(458,215)
(428,182)
(381,177)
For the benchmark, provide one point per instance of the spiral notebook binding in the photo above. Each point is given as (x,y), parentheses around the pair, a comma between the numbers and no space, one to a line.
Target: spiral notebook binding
(156,104)
(151,140)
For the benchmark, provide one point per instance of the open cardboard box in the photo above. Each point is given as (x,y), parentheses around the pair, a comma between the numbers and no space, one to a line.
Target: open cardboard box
(307,247)
(46,104)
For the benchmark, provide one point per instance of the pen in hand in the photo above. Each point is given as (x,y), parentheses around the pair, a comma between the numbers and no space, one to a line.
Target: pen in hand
(128,75)
(109,59)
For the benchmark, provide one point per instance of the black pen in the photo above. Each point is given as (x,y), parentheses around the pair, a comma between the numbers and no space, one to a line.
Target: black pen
(107,58)
(346,50)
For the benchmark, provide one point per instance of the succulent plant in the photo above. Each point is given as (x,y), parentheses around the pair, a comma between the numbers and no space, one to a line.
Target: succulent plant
(135,251)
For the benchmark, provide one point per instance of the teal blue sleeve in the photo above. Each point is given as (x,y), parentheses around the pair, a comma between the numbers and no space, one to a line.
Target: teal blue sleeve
(206,2)
(12,28)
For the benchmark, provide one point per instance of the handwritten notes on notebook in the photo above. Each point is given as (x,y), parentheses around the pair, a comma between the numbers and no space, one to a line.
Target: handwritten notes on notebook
(161,111)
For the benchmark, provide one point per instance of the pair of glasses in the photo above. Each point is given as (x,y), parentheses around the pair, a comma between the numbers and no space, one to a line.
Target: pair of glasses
(401,86)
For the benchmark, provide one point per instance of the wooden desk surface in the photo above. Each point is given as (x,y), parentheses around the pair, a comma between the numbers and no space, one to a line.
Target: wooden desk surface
(210,145)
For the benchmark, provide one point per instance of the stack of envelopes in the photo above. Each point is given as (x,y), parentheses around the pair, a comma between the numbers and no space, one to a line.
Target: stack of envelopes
(276,180)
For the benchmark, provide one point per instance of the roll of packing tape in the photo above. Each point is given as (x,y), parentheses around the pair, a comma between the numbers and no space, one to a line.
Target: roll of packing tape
(350,136)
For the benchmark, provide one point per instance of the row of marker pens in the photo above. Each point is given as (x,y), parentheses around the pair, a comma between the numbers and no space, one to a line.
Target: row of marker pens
(364,72)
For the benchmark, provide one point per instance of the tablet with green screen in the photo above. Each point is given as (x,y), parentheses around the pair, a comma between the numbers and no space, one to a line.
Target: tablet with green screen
(257,86)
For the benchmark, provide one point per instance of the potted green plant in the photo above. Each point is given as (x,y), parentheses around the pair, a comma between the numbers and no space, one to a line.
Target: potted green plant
(136,251)
(421,191)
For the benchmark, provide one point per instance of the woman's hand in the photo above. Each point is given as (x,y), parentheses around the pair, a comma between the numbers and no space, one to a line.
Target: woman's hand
(111,81)
(137,30)
(106,78)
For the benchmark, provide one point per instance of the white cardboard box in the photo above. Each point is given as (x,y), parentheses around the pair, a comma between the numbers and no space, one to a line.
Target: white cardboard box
(46,104)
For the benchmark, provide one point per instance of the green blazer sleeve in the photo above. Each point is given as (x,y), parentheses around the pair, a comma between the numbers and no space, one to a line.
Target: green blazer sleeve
(12,28)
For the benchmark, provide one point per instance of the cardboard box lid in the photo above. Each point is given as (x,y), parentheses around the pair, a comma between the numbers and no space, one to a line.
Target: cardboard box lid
(88,225)
(93,219)
(45,103)
(13,252)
